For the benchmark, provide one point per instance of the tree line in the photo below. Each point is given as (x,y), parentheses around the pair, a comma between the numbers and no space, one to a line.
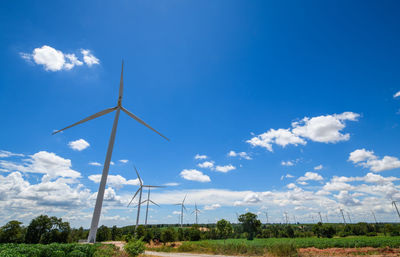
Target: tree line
(44,230)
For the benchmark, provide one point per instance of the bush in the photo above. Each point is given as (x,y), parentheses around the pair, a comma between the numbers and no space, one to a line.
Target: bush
(134,248)
(76,253)
(58,253)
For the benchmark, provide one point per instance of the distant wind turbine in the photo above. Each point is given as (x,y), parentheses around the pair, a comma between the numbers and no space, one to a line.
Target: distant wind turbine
(103,181)
(140,191)
(266,215)
(395,206)
(327,221)
(286,217)
(348,215)
(148,200)
(196,212)
(373,215)
(341,211)
(320,217)
(182,204)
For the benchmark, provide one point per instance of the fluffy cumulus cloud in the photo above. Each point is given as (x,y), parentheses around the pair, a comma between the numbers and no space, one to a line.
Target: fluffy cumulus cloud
(78,145)
(55,60)
(396,95)
(124,161)
(206,164)
(225,168)
(212,207)
(241,155)
(310,176)
(200,157)
(194,175)
(171,184)
(319,167)
(43,163)
(368,159)
(323,129)
(116,181)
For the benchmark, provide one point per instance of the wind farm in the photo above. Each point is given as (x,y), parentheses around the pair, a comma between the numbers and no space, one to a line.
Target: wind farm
(277,128)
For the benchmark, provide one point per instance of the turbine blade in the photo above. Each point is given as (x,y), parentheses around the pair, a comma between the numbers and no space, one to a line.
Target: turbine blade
(88,118)
(134,196)
(152,186)
(184,207)
(142,122)
(121,84)
(184,199)
(140,180)
(154,203)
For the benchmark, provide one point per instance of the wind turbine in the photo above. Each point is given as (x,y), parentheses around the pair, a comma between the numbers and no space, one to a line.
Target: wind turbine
(373,214)
(286,217)
(395,206)
(182,207)
(327,221)
(149,201)
(103,181)
(196,211)
(320,217)
(140,190)
(348,215)
(266,214)
(341,211)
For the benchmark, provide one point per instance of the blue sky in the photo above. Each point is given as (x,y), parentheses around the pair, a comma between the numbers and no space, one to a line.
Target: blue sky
(296,88)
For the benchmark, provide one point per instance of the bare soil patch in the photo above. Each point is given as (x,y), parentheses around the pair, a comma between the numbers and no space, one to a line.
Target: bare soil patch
(365,251)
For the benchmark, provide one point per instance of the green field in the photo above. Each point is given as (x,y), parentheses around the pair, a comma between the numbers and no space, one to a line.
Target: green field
(56,250)
(260,246)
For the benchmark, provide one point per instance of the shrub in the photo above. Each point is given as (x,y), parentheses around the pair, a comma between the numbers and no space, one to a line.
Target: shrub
(58,253)
(76,253)
(134,247)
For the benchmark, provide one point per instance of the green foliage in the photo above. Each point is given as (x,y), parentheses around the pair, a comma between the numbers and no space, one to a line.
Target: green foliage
(49,250)
(250,224)
(168,235)
(103,234)
(45,230)
(76,253)
(283,249)
(224,229)
(140,232)
(12,232)
(134,247)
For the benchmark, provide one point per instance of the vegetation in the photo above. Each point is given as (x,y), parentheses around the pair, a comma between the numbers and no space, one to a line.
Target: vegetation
(49,250)
(134,247)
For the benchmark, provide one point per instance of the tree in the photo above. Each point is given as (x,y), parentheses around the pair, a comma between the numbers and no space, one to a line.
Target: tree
(103,234)
(224,229)
(12,232)
(168,235)
(251,225)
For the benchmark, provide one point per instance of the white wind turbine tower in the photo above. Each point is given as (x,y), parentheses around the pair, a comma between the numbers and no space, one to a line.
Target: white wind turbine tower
(182,207)
(266,215)
(103,181)
(348,215)
(196,211)
(341,211)
(320,217)
(373,214)
(140,191)
(395,206)
(148,201)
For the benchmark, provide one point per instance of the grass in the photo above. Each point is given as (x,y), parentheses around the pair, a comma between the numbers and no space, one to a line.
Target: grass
(279,246)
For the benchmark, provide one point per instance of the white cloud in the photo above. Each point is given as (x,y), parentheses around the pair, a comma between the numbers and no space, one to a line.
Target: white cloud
(212,207)
(291,186)
(176,213)
(200,157)
(194,175)
(171,184)
(55,60)
(206,165)
(124,161)
(241,155)
(89,58)
(310,176)
(112,163)
(287,163)
(396,95)
(45,163)
(369,160)
(6,154)
(324,129)
(225,168)
(287,176)
(116,181)
(95,163)
(282,137)
(79,145)
(319,167)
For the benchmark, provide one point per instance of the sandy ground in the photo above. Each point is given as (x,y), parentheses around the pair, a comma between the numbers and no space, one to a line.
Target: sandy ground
(161,254)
